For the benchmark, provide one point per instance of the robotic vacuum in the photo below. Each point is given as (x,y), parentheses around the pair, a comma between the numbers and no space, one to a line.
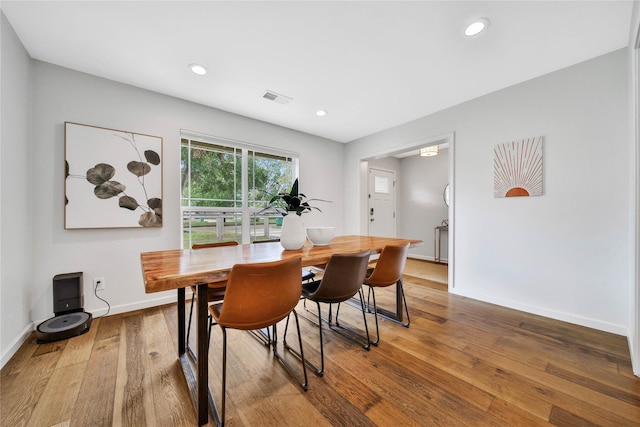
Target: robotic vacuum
(64,326)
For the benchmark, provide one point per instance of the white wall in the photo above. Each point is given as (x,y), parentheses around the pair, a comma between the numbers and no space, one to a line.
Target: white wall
(64,95)
(634,131)
(564,254)
(15,201)
(421,205)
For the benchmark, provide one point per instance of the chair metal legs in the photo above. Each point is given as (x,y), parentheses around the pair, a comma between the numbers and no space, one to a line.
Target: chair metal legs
(348,333)
(358,338)
(224,376)
(193,299)
(318,372)
(211,323)
(302,380)
(262,335)
(384,314)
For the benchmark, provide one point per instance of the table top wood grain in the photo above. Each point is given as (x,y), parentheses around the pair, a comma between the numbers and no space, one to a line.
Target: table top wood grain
(180,268)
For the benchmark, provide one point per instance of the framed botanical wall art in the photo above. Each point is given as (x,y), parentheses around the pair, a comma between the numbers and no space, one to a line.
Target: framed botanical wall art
(113,178)
(517,168)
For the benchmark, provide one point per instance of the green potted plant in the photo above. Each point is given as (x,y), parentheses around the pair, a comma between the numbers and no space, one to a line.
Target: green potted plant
(292,236)
(292,201)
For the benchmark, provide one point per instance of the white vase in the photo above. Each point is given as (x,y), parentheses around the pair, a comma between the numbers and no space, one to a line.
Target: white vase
(292,237)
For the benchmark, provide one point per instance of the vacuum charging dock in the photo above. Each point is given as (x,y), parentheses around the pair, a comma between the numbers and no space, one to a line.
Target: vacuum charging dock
(70,319)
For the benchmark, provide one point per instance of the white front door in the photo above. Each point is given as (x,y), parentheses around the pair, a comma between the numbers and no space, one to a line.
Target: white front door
(382,203)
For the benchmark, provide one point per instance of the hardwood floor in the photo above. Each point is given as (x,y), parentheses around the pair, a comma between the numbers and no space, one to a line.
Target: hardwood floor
(461,363)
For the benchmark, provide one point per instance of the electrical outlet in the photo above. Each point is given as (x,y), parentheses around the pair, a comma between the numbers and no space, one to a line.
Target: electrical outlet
(98,283)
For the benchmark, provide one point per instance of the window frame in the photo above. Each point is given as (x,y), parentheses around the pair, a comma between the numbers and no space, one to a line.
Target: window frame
(247,214)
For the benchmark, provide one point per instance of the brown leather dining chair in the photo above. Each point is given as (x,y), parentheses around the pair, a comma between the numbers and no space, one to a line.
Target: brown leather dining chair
(214,294)
(387,271)
(307,274)
(259,296)
(342,279)
(262,335)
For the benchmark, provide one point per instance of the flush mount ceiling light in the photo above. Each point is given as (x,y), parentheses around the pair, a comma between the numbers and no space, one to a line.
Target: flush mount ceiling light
(476,27)
(430,151)
(321,113)
(198,69)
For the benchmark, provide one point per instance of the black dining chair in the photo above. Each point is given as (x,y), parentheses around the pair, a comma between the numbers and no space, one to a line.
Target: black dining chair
(342,280)
(259,296)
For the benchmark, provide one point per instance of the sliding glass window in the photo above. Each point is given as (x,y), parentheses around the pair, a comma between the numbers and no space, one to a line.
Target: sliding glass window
(226,187)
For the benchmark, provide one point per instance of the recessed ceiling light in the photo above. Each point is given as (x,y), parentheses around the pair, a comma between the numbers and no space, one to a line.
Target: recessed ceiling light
(321,113)
(476,27)
(198,69)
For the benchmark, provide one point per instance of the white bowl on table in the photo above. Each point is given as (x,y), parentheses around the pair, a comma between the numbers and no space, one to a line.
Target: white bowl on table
(321,236)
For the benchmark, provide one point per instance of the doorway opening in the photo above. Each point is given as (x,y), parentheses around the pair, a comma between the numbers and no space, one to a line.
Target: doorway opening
(419,206)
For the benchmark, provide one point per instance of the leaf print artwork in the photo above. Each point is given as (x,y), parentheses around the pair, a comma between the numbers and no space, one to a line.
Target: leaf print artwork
(100,173)
(152,157)
(121,165)
(128,203)
(138,168)
(108,189)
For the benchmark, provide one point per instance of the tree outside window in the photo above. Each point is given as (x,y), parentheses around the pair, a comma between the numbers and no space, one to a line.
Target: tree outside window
(213,205)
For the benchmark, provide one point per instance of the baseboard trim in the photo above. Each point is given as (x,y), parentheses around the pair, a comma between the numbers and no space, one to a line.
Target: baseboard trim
(427,258)
(15,345)
(125,308)
(552,314)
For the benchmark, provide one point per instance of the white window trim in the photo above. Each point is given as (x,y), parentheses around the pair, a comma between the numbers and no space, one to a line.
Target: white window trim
(244,147)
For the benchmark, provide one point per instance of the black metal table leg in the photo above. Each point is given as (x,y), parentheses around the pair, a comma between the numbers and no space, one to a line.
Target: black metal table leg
(181,322)
(196,380)
(203,356)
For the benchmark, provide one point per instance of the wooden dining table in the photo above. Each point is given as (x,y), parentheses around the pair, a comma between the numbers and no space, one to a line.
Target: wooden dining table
(182,268)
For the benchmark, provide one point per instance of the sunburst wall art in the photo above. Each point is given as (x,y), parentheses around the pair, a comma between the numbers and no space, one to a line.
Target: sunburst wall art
(517,168)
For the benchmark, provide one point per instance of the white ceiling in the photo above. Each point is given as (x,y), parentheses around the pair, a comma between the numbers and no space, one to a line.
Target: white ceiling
(371,64)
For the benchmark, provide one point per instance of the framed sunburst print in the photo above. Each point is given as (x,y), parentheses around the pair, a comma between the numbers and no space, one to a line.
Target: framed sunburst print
(517,168)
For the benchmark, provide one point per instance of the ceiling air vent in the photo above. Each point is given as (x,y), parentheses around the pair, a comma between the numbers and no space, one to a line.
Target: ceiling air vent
(280,99)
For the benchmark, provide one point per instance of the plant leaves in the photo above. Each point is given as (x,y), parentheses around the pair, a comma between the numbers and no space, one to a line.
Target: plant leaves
(108,189)
(152,157)
(155,203)
(150,219)
(294,188)
(128,202)
(138,168)
(294,203)
(100,173)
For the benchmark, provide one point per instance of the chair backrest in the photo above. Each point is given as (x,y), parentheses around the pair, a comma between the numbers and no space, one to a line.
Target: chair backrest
(390,265)
(343,277)
(261,294)
(213,245)
(266,241)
